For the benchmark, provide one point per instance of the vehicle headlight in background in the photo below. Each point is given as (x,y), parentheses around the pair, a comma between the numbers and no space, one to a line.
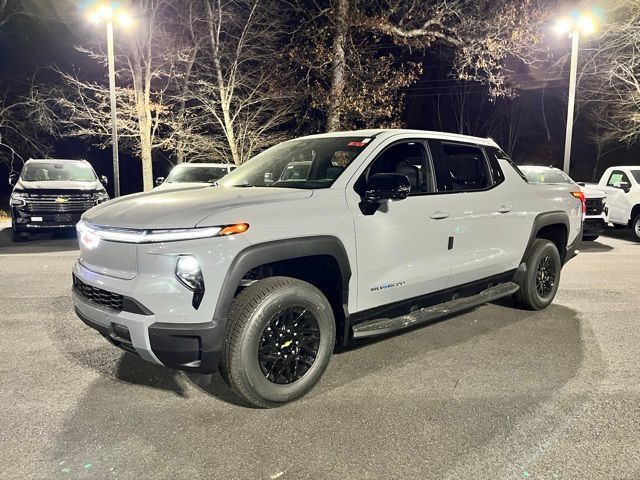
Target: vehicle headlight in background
(18,199)
(189,273)
(101,197)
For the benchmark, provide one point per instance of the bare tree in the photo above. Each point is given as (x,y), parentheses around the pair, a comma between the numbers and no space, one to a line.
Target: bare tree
(146,69)
(237,92)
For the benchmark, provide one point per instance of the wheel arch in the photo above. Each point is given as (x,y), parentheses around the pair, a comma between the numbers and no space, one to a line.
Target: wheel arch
(552,226)
(325,251)
(634,212)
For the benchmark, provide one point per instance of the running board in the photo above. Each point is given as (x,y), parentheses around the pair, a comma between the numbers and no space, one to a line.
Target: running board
(381,326)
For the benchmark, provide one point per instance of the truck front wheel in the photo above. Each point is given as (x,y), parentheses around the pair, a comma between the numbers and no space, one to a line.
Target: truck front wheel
(540,282)
(635,227)
(278,341)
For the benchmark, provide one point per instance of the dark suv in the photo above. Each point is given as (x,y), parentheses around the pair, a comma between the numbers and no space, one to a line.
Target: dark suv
(51,195)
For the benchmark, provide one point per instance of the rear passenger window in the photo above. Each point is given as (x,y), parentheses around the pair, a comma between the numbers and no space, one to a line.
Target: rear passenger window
(464,168)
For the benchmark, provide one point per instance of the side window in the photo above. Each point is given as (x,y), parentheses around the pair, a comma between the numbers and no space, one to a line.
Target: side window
(616,177)
(405,158)
(462,168)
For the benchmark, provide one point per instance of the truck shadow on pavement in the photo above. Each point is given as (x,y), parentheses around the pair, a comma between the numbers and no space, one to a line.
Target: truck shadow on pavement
(594,247)
(40,243)
(451,386)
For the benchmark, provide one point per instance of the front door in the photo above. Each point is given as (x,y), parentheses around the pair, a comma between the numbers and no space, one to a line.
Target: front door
(617,198)
(402,249)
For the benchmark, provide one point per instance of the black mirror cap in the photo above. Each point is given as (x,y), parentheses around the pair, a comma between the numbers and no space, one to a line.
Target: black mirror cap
(104,180)
(387,186)
(13,179)
(159,180)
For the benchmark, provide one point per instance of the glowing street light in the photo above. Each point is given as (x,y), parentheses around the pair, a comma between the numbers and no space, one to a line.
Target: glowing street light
(108,13)
(585,23)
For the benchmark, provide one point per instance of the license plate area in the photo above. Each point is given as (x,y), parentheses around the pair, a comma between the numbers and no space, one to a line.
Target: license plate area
(62,218)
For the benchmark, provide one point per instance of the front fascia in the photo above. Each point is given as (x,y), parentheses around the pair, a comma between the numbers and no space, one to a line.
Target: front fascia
(155,285)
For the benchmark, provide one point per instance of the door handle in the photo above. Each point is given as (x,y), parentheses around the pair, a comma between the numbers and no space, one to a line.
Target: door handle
(504,209)
(438,215)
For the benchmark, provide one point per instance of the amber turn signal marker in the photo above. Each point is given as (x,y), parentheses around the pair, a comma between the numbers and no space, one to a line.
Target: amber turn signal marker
(233,229)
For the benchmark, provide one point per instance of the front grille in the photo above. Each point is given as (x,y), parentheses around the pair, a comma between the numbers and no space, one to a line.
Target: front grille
(595,206)
(106,299)
(60,203)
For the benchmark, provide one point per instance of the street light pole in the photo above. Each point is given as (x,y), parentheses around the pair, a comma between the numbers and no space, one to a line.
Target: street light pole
(572,99)
(112,95)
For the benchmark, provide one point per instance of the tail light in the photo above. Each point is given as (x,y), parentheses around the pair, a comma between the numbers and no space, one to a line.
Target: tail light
(583,200)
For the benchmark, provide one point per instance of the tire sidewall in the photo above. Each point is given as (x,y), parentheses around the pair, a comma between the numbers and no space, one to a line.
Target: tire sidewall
(305,296)
(634,228)
(536,300)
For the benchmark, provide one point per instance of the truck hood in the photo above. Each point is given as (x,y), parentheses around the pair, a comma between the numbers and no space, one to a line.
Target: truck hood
(181,185)
(58,186)
(186,208)
(590,191)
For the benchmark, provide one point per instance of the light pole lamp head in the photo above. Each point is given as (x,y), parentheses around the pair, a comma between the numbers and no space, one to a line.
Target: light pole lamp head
(586,22)
(110,12)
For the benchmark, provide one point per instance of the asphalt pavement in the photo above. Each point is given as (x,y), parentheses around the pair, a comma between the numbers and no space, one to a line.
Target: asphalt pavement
(494,393)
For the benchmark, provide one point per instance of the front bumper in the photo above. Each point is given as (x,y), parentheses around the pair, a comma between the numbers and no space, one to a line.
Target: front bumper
(594,226)
(24,221)
(192,347)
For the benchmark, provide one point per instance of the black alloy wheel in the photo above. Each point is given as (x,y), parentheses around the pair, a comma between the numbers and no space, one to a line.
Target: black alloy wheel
(546,276)
(289,345)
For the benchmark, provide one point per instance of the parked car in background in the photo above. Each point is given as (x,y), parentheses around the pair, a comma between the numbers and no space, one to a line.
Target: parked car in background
(52,194)
(596,209)
(187,175)
(262,279)
(622,186)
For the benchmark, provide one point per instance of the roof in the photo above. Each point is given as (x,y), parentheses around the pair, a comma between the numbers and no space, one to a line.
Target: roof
(49,160)
(403,131)
(197,164)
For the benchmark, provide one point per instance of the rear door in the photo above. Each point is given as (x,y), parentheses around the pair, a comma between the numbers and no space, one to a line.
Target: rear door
(488,236)
(402,249)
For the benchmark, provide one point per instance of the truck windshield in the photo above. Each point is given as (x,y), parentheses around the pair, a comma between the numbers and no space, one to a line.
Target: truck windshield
(304,163)
(190,174)
(58,171)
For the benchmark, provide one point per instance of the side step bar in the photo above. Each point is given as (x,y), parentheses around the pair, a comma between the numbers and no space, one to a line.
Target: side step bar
(381,326)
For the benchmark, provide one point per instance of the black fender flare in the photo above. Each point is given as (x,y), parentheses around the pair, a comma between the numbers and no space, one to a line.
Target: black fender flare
(277,250)
(544,220)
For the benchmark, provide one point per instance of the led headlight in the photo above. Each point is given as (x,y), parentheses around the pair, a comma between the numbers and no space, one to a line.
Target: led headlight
(189,273)
(132,235)
(18,199)
(101,197)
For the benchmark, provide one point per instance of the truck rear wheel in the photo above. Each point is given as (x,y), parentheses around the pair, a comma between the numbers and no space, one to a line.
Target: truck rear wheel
(540,282)
(278,341)
(635,227)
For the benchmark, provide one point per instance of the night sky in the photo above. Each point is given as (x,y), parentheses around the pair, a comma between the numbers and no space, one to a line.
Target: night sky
(29,45)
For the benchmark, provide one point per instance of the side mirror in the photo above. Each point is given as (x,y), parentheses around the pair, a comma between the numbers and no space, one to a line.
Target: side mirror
(104,180)
(159,180)
(381,187)
(13,179)
(623,186)
(387,186)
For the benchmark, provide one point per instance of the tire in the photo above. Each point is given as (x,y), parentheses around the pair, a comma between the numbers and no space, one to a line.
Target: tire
(535,291)
(18,237)
(260,315)
(589,238)
(635,228)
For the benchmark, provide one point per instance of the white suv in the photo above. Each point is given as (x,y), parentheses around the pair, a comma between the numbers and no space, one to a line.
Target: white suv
(262,278)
